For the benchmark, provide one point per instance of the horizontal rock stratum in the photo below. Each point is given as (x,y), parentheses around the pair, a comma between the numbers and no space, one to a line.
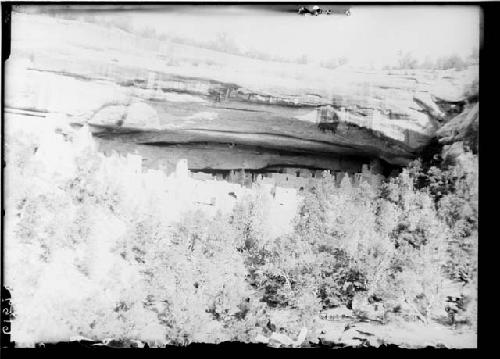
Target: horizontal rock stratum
(221,111)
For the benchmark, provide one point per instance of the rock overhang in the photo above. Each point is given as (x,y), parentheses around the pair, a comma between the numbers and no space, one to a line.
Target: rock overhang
(390,115)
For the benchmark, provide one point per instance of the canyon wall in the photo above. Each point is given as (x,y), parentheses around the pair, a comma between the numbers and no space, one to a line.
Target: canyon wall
(168,101)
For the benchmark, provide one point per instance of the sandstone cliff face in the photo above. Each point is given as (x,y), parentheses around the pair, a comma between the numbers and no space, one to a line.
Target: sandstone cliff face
(169,101)
(463,127)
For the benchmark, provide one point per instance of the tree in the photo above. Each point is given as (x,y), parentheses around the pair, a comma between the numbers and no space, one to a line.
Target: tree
(407,61)
(223,42)
(451,62)
(303,60)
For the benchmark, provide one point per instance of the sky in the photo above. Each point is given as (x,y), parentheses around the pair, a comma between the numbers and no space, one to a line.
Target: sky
(371,35)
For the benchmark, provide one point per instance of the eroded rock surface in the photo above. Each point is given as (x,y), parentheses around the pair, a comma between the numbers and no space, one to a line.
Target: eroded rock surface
(165,99)
(464,127)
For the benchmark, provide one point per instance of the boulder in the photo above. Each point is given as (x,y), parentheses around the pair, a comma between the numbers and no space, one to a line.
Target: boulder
(112,115)
(463,127)
(333,331)
(285,340)
(281,339)
(351,338)
(261,339)
(137,115)
(141,115)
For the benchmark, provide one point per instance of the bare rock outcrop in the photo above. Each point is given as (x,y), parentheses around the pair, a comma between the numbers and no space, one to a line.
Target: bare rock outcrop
(464,127)
(270,109)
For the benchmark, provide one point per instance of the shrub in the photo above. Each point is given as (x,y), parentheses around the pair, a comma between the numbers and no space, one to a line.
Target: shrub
(455,192)
(407,61)
(451,62)
(333,63)
(303,59)
(104,262)
(65,229)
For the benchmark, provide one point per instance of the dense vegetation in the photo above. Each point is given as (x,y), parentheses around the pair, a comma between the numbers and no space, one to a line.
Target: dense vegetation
(90,251)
